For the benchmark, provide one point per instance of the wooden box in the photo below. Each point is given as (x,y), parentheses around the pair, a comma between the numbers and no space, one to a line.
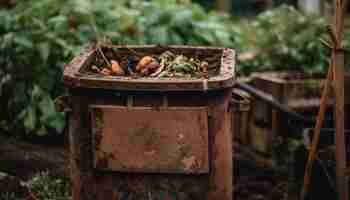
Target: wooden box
(298,91)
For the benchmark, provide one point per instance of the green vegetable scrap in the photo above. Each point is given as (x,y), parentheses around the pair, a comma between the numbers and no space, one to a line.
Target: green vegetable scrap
(167,64)
(181,66)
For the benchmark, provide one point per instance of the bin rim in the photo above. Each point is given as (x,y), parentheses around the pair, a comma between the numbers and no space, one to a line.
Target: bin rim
(73,78)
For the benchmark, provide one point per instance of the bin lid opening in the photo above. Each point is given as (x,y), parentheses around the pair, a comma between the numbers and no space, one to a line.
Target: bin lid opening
(219,63)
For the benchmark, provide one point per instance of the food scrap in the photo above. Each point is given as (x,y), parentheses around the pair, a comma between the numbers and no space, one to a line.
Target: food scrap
(116,68)
(166,64)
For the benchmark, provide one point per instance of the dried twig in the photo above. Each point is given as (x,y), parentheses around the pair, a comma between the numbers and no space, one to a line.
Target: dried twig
(326,43)
(102,54)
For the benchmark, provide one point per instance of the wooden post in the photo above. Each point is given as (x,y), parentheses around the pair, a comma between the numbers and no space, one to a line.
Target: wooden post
(317,131)
(220,178)
(336,74)
(338,55)
(340,157)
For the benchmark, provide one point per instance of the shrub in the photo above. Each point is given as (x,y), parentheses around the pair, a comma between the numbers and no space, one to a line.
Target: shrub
(285,39)
(38,37)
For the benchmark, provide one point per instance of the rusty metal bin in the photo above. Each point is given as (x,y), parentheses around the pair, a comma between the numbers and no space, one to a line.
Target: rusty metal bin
(147,138)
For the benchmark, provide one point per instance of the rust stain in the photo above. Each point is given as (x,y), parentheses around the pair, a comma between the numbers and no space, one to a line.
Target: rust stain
(146,140)
(97,128)
(150,153)
(191,163)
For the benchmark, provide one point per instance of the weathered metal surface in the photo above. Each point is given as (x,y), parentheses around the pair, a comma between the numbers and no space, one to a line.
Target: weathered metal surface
(192,176)
(220,177)
(144,139)
(73,76)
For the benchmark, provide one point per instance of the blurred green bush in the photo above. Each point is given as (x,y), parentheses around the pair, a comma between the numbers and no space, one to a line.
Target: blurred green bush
(285,39)
(38,37)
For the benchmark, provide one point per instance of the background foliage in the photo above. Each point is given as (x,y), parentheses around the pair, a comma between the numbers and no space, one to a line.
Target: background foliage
(286,39)
(38,37)
(42,186)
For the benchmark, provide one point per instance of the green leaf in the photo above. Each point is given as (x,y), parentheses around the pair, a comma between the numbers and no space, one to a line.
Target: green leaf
(44,50)
(57,122)
(23,41)
(47,108)
(30,119)
(36,93)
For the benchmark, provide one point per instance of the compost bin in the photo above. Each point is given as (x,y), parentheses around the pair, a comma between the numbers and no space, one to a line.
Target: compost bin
(297,91)
(146,137)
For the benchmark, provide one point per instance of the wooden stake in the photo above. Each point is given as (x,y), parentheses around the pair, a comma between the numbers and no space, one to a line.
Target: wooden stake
(338,56)
(317,131)
(336,73)
(340,150)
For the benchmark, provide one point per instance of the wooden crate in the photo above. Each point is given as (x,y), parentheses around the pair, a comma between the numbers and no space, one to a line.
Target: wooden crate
(297,91)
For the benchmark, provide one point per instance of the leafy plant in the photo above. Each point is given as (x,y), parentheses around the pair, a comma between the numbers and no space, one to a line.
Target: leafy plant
(41,186)
(286,39)
(47,187)
(38,37)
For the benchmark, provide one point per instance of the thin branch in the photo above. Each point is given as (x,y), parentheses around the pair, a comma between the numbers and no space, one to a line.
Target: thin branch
(317,131)
(102,54)
(326,43)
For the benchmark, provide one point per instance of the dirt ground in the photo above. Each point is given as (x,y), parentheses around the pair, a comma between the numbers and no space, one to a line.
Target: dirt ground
(251,181)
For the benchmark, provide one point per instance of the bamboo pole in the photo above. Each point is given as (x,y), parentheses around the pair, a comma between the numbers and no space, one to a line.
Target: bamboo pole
(340,150)
(317,131)
(338,84)
(335,75)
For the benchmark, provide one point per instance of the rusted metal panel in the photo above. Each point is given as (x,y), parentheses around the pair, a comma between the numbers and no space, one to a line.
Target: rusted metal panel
(145,139)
